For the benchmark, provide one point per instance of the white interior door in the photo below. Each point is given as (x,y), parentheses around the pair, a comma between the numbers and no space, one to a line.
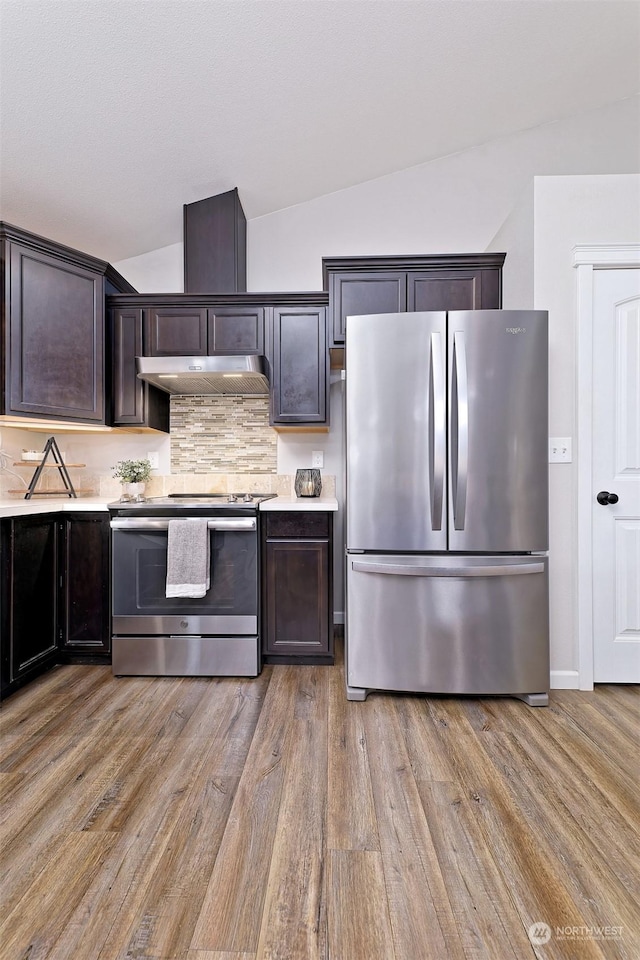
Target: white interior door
(616,472)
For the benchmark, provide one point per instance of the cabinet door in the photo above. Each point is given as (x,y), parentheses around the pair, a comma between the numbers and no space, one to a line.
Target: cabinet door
(299,365)
(297,592)
(56,353)
(361,293)
(175,332)
(32,612)
(236,330)
(133,402)
(474,289)
(127,390)
(85,604)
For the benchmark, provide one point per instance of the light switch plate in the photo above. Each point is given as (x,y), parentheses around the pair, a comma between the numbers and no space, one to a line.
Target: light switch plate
(317,458)
(154,459)
(560,450)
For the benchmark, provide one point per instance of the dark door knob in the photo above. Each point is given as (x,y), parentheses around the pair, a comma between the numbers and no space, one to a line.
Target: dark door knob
(605,498)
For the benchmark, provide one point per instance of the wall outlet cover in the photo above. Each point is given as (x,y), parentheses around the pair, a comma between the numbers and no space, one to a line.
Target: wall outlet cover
(560,450)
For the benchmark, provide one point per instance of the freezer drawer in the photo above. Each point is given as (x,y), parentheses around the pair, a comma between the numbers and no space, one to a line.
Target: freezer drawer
(448,624)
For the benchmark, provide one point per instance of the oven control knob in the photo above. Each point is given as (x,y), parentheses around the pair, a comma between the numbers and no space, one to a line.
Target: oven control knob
(184,624)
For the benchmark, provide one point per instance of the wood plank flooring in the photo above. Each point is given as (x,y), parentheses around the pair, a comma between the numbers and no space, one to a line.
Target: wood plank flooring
(270,819)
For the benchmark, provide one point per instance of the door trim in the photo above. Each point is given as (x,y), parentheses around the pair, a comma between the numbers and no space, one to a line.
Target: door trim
(587,258)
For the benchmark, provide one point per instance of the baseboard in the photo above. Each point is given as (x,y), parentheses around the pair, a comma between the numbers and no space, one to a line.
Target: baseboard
(565,680)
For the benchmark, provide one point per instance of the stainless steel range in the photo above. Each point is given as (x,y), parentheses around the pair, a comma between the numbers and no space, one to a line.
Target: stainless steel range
(214,635)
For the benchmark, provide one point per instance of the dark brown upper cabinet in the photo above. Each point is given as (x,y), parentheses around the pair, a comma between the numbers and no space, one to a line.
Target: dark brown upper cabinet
(134,403)
(215,241)
(355,294)
(453,290)
(300,371)
(175,332)
(236,329)
(367,285)
(288,328)
(53,329)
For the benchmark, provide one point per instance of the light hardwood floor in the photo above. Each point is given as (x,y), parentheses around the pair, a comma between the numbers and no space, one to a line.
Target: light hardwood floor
(194,819)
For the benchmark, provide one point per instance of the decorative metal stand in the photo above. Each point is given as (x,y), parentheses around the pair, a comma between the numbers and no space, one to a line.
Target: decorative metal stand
(51,447)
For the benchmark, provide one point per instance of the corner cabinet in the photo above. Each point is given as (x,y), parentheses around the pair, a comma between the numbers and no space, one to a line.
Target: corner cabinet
(29,599)
(53,329)
(54,598)
(297,587)
(366,285)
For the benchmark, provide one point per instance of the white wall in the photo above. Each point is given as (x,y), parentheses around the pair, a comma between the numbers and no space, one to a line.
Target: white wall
(160,271)
(516,236)
(570,211)
(453,205)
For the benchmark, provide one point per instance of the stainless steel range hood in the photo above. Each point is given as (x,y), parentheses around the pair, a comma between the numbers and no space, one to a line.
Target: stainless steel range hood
(227,375)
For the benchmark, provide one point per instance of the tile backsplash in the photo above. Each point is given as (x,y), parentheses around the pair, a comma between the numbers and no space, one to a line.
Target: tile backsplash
(222,435)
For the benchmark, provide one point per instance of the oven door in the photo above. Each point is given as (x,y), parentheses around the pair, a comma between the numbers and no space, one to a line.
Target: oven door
(139,573)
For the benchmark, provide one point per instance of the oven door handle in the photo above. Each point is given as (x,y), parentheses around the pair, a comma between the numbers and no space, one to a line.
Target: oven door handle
(151,523)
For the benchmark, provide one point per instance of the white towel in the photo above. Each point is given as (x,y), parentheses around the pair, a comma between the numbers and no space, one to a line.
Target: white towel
(188,558)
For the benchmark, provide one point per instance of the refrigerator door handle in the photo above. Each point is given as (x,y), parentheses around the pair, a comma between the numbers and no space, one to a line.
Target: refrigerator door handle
(487,570)
(459,431)
(437,429)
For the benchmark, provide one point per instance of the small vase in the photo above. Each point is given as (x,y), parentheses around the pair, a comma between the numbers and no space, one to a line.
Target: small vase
(132,492)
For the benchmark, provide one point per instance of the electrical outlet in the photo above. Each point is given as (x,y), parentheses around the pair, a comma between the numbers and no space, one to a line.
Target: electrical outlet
(154,459)
(317,458)
(560,450)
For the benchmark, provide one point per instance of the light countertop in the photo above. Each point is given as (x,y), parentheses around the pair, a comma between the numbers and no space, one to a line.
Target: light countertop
(10,507)
(21,508)
(326,504)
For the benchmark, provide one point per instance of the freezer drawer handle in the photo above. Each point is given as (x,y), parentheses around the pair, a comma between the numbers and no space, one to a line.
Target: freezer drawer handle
(459,431)
(490,570)
(437,430)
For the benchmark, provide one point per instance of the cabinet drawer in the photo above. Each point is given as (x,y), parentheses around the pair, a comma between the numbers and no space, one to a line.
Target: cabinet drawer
(293,524)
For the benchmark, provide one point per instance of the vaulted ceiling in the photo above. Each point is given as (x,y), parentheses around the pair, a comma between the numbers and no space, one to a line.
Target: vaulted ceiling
(115,113)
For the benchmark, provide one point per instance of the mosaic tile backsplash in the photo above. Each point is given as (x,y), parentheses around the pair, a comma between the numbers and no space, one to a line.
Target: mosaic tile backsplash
(222,435)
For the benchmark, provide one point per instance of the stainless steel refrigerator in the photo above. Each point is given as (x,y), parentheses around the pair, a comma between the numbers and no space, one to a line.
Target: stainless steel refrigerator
(447,503)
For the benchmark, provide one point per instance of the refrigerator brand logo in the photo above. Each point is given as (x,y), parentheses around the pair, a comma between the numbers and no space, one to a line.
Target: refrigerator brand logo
(516,329)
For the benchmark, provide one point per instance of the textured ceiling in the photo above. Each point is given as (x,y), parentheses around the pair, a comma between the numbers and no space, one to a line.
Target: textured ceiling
(117,112)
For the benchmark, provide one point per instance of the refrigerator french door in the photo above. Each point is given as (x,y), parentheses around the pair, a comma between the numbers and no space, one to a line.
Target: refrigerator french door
(446,481)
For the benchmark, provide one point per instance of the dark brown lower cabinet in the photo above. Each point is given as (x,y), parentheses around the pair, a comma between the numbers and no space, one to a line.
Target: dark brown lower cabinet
(29,604)
(84,606)
(54,598)
(297,587)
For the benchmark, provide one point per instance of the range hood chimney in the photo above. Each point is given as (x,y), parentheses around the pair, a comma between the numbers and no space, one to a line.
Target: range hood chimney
(215,245)
(229,375)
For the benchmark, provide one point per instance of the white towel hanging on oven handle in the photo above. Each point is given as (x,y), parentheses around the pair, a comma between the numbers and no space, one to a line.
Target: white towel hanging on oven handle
(188,558)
